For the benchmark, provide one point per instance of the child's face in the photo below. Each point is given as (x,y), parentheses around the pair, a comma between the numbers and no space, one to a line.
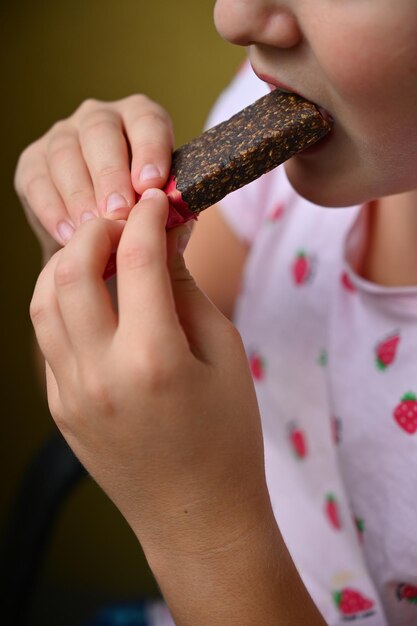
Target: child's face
(358,60)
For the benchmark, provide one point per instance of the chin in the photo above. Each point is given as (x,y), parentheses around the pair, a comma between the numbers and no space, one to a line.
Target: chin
(324,190)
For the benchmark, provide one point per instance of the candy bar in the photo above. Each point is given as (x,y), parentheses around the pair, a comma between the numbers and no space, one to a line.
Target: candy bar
(236,152)
(239,150)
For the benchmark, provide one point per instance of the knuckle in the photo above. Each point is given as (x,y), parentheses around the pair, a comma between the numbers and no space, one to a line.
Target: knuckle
(18,175)
(111,170)
(98,394)
(97,123)
(137,100)
(37,310)
(59,146)
(134,256)
(60,127)
(154,115)
(88,105)
(34,182)
(152,372)
(68,272)
(78,195)
(22,166)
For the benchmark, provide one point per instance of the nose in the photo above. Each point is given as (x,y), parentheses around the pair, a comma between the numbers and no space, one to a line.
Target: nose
(247,22)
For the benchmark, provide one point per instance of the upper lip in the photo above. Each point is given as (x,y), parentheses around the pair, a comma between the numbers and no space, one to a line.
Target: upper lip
(283,87)
(276,83)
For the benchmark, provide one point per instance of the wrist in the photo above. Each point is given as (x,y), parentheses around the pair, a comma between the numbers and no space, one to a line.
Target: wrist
(209,563)
(245,577)
(209,528)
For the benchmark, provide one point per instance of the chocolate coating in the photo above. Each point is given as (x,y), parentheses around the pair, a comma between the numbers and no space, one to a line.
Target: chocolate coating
(241,149)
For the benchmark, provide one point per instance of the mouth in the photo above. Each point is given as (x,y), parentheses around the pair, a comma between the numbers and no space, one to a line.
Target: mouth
(274,84)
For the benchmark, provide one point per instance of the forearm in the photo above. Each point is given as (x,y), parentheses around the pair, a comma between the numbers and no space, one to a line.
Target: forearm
(246,581)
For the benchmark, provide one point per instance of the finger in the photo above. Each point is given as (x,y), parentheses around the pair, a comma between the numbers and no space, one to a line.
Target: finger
(149,131)
(41,198)
(204,325)
(146,306)
(54,400)
(105,151)
(69,172)
(47,321)
(83,298)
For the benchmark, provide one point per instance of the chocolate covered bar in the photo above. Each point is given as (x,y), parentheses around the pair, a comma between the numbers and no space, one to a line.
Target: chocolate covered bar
(239,150)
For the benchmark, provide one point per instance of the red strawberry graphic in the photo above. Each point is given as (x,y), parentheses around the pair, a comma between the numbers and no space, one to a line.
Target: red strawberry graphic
(298,441)
(386,351)
(277,213)
(360,527)
(257,366)
(346,282)
(407,592)
(406,413)
(302,268)
(333,511)
(352,604)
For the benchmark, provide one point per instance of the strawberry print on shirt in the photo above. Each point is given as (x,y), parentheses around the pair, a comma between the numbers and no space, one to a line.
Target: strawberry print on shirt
(386,351)
(407,592)
(277,213)
(257,365)
(405,413)
(303,267)
(352,604)
(347,283)
(298,441)
(332,510)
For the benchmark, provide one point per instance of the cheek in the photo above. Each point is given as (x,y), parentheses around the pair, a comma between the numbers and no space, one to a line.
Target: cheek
(354,72)
(373,86)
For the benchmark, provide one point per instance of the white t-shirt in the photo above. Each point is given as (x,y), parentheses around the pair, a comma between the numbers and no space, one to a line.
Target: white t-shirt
(334,358)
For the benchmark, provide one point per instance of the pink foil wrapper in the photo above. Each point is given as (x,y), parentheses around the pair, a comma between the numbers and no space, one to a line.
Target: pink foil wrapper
(179,213)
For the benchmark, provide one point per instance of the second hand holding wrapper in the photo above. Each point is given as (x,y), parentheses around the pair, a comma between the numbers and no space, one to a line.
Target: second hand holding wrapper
(236,152)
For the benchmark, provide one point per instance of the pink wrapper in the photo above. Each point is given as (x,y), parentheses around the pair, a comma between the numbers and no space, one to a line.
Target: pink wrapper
(179,213)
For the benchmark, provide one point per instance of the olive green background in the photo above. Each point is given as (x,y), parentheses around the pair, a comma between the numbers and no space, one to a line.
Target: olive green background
(54,55)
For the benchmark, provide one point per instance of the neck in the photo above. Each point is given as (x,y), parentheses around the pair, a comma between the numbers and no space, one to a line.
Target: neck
(391,255)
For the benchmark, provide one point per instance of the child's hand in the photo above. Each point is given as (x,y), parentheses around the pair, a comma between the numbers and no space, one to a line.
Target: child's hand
(157,400)
(95,161)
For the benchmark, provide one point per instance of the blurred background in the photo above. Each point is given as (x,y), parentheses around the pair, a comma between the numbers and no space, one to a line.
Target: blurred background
(54,55)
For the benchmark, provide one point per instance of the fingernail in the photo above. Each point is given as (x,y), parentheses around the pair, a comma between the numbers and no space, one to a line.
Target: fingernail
(182,242)
(65,231)
(116,201)
(87,215)
(149,193)
(149,171)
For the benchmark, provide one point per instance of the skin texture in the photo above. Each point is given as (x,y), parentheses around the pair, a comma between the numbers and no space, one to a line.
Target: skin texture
(182,403)
(371,91)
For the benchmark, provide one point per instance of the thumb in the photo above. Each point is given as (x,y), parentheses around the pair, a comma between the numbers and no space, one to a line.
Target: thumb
(202,322)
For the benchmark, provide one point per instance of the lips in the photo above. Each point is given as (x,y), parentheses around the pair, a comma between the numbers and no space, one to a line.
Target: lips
(276,84)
